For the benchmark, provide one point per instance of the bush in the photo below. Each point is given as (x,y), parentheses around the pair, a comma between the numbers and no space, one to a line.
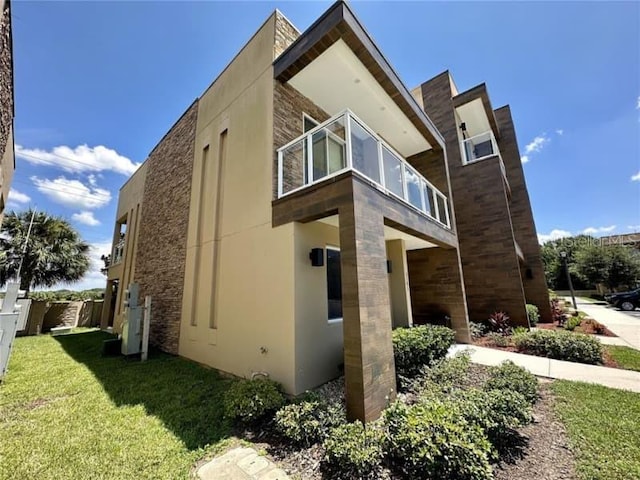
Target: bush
(308,422)
(561,345)
(499,322)
(431,440)
(354,451)
(416,347)
(572,323)
(509,376)
(477,330)
(496,412)
(533,314)
(443,376)
(498,339)
(249,400)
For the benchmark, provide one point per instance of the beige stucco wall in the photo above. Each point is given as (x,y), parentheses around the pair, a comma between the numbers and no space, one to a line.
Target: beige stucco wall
(250,301)
(399,284)
(129,208)
(319,351)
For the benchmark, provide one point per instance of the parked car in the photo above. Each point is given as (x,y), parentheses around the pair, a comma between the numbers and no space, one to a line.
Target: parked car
(626,301)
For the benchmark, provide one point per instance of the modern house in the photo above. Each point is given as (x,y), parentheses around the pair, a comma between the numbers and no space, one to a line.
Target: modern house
(301,208)
(7,158)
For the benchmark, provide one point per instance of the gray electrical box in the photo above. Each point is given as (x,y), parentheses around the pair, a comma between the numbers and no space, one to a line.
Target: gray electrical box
(131,328)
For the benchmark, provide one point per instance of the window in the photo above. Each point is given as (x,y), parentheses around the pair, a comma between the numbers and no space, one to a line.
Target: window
(334,284)
(308,123)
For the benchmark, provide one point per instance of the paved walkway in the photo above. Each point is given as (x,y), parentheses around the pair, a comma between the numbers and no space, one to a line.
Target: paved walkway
(547,367)
(241,463)
(625,326)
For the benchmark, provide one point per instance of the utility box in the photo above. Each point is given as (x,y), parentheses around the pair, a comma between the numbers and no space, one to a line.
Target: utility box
(8,325)
(131,327)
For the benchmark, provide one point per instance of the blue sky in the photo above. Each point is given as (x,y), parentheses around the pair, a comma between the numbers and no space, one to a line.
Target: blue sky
(98,84)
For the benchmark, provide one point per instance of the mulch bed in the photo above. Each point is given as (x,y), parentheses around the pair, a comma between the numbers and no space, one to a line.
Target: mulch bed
(589,328)
(541,449)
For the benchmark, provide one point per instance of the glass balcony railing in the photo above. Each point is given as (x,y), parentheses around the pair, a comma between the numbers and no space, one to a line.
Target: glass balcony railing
(118,251)
(479,147)
(345,143)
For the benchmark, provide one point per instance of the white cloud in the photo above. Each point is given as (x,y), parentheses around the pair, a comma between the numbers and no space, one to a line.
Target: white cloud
(555,234)
(85,217)
(634,227)
(72,193)
(537,144)
(560,131)
(636,177)
(79,159)
(638,104)
(594,230)
(18,197)
(524,159)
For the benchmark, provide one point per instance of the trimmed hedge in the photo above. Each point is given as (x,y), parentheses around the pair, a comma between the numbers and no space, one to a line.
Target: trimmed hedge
(250,400)
(511,377)
(308,422)
(533,314)
(416,347)
(561,345)
(354,451)
(432,440)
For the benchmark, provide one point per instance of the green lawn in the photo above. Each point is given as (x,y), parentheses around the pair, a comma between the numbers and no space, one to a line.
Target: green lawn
(66,412)
(603,427)
(625,357)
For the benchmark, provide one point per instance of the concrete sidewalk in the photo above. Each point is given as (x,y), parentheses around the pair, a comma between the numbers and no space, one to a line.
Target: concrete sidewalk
(547,367)
(625,326)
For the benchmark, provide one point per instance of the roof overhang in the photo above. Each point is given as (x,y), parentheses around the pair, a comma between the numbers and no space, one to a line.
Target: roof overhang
(474,108)
(335,64)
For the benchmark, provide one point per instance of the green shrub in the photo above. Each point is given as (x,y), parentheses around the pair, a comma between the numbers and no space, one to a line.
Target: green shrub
(431,440)
(442,377)
(533,314)
(416,347)
(307,422)
(496,412)
(498,339)
(561,345)
(354,451)
(477,330)
(509,376)
(249,400)
(572,323)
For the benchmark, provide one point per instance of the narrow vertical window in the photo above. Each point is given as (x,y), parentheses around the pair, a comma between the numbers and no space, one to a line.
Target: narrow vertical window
(334,284)
(217,233)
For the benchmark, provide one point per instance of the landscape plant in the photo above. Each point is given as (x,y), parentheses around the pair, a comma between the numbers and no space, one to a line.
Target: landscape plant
(354,450)
(250,400)
(561,345)
(533,314)
(415,347)
(509,376)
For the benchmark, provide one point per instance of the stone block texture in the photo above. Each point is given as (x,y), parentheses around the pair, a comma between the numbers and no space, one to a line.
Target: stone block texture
(486,227)
(285,34)
(6,78)
(162,238)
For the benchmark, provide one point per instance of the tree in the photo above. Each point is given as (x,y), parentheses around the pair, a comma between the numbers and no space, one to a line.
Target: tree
(55,252)
(614,265)
(554,266)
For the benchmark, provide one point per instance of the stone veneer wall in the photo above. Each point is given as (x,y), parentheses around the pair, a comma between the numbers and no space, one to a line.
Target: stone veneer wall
(162,238)
(524,227)
(6,78)
(288,107)
(490,265)
(285,34)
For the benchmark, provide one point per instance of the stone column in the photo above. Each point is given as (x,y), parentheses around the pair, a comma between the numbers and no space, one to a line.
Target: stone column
(368,350)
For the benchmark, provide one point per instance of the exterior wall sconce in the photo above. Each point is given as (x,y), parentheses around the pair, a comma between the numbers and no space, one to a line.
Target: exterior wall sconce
(389,266)
(528,273)
(317,257)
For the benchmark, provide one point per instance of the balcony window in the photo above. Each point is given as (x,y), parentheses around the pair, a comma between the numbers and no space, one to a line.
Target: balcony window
(479,147)
(345,143)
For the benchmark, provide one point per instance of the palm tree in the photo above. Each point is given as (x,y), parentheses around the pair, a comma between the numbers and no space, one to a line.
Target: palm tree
(54,253)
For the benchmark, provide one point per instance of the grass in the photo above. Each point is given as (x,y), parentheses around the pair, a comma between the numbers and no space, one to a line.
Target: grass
(603,428)
(66,412)
(626,357)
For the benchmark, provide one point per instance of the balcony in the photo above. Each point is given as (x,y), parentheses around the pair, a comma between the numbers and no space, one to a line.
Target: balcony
(480,147)
(118,251)
(345,143)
